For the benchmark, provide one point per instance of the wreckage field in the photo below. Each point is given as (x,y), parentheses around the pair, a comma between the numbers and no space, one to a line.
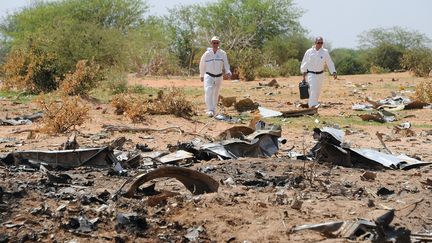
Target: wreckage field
(264,169)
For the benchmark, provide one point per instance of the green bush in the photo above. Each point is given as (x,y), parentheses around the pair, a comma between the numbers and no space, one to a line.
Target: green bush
(348,61)
(266,72)
(418,61)
(290,68)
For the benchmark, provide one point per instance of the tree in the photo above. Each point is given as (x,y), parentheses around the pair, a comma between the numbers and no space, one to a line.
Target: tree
(249,23)
(283,48)
(385,47)
(183,28)
(396,36)
(73,30)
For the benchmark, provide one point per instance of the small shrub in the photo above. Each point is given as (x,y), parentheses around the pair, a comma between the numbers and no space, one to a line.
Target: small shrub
(62,116)
(378,70)
(136,107)
(86,76)
(418,61)
(132,105)
(115,81)
(172,102)
(424,91)
(247,73)
(245,62)
(161,65)
(30,70)
(290,68)
(266,72)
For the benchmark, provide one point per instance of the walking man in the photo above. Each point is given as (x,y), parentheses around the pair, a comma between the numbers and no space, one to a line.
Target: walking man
(312,66)
(212,63)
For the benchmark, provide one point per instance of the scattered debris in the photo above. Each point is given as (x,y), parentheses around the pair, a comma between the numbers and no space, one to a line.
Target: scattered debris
(368,176)
(272,83)
(380,116)
(112,128)
(175,156)
(21,120)
(266,113)
(235,132)
(300,112)
(245,105)
(71,143)
(378,230)
(228,101)
(404,129)
(260,143)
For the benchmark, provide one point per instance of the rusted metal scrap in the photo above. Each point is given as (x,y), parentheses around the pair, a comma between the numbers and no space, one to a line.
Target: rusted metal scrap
(196,182)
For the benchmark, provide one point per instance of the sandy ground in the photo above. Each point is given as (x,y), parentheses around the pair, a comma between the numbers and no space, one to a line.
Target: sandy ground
(238,212)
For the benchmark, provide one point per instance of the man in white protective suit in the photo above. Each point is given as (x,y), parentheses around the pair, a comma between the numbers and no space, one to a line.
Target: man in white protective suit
(213,62)
(312,66)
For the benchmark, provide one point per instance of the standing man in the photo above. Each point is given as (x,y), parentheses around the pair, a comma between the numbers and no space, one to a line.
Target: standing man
(211,64)
(313,66)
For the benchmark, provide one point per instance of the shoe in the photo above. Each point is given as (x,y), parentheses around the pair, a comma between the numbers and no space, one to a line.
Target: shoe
(210,113)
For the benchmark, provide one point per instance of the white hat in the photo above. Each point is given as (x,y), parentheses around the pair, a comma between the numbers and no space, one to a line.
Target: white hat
(214,38)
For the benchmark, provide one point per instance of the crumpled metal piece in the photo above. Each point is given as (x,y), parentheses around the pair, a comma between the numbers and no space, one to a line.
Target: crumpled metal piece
(330,148)
(196,182)
(65,159)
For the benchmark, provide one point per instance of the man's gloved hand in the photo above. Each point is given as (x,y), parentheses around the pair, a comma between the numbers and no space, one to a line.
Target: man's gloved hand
(202,79)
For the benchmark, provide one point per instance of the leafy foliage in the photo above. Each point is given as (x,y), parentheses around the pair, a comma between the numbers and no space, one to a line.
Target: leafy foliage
(394,36)
(249,23)
(349,61)
(74,30)
(267,72)
(386,47)
(290,68)
(283,48)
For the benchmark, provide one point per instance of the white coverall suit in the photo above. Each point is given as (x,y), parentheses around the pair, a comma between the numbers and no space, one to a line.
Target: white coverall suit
(210,67)
(313,64)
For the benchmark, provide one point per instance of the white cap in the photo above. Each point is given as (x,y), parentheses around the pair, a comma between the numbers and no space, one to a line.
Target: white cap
(214,38)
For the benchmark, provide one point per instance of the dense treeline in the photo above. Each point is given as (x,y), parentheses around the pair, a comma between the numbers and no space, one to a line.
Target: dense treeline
(42,44)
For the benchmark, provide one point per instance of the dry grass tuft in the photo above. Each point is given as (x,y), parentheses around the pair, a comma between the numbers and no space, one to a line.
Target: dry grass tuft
(136,107)
(62,116)
(172,102)
(424,91)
